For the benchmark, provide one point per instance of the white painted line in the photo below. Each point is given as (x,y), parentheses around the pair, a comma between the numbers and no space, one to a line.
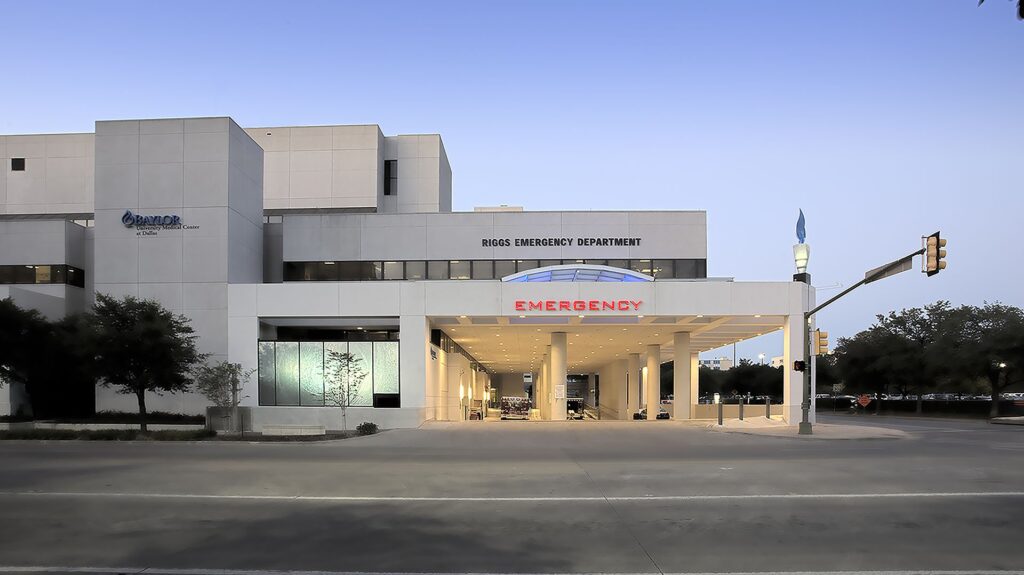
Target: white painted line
(159,571)
(399,499)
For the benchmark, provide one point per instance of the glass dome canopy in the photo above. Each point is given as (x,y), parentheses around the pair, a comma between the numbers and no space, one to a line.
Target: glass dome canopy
(578,273)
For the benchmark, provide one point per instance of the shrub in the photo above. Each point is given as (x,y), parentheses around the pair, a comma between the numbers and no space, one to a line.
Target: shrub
(107,434)
(366,428)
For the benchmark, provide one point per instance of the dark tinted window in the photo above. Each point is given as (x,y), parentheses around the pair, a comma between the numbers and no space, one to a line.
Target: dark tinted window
(358,271)
(483,270)
(391,177)
(523,265)
(76,277)
(24,274)
(17,164)
(662,269)
(437,270)
(504,268)
(325,271)
(386,400)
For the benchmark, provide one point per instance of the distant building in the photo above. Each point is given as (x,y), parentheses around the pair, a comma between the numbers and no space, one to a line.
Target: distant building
(722,363)
(778,361)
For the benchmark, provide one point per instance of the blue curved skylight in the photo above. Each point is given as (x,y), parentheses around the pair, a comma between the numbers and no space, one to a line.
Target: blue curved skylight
(578,273)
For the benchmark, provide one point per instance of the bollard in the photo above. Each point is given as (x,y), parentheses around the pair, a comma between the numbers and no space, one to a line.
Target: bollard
(719,413)
(767,408)
(741,409)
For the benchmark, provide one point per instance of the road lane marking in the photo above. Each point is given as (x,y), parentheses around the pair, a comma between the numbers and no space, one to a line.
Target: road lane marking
(401,499)
(159,571)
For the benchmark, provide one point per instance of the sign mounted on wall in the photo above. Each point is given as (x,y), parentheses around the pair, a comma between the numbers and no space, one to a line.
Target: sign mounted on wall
(150,225)
(578,305)
(557,242)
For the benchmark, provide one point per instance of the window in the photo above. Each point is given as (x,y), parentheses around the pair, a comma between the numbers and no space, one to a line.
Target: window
(326,271)
(483,270)
(17,164)
(415,270)
(642,266)
(437,270)
(662,269)
(459,270)
(504,268)
(390,177)
(297,373)
(393,271)
(523,265)
(690,269)
(358,271)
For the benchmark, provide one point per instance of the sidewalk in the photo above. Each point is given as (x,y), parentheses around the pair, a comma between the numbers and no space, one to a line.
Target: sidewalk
(776,428)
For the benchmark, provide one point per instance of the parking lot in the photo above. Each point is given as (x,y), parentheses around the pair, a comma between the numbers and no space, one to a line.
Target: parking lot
(530,497)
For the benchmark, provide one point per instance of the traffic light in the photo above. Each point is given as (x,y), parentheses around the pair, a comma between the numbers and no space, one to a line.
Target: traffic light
(934,255)
(820,342)
(799,365)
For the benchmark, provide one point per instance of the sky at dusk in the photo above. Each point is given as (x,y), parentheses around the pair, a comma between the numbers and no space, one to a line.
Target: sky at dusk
(884,121)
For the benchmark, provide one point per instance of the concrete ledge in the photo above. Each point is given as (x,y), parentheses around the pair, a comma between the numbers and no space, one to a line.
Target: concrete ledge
(294,430)
(1018,420)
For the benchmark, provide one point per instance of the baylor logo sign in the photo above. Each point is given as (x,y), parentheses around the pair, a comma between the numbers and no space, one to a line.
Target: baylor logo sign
(132,220)
(152,225)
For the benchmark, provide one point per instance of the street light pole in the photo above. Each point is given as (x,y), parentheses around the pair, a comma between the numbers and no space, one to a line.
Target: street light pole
(892,268)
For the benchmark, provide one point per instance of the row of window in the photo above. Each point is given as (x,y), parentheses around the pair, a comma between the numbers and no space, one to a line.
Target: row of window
(45,274)
(474,269)
(331,373)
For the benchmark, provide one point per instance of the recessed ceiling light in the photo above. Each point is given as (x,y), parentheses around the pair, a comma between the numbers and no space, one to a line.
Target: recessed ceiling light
(462,316)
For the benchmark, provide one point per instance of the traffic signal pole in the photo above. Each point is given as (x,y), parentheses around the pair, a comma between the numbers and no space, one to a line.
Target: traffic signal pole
(892,268)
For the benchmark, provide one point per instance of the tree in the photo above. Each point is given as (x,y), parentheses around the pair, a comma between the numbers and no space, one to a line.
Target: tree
(141,346)
(222,383)
(916,346)
(987,343)
(24,335)
(1020,8)
(344,376)
(64,383)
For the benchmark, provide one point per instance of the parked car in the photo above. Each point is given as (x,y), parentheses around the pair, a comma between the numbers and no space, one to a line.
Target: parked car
(642,414)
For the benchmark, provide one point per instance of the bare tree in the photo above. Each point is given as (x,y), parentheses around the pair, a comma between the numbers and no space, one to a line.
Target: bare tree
(344,376)
(222,383)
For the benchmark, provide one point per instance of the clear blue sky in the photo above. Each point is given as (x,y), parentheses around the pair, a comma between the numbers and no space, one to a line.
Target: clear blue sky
(883,120)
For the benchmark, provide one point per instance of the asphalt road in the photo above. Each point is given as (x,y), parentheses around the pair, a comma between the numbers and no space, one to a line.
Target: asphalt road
(525,497)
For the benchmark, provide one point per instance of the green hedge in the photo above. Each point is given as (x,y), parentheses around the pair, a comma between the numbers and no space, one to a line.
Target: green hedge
(107,434)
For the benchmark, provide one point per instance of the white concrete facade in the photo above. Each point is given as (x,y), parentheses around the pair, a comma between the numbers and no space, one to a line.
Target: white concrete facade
(246,232)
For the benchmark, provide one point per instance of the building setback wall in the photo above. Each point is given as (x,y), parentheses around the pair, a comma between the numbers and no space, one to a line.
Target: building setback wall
(58,175)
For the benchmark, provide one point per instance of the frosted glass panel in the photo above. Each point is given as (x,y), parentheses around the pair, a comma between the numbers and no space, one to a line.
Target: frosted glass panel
(385,367)
(287,373)
(362,353)
(330,349)
(311,373)
(267,369)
